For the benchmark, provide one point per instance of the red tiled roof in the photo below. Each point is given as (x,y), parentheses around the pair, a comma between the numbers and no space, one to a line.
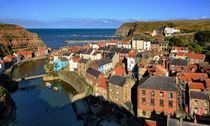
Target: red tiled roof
(192,55)
(198,86)
(193,66)
(160,70)
(76,59)
(75,48)
(101,44)
(103,82)
(189,77)
(181,54)
(24,52)
(195,56)
(86,46)
(112,41)
(208,83)
(119,70)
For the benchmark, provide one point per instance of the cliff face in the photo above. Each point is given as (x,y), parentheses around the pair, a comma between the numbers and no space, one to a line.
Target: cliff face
(124,30)
(139,28)
(7,105)
(18,38)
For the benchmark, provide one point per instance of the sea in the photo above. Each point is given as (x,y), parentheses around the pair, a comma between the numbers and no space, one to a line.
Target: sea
(55,38)
(36,104)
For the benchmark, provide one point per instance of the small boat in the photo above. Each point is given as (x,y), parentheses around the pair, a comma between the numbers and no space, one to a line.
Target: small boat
(48,84)
(55,88)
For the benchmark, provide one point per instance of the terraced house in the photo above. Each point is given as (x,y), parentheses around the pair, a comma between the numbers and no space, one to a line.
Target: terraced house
(120,90)
(199,103)
(103,65)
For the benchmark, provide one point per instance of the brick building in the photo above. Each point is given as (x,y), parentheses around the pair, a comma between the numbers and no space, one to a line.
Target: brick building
(157,93)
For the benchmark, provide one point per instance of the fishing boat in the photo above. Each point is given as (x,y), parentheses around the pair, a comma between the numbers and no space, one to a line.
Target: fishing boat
(48,84)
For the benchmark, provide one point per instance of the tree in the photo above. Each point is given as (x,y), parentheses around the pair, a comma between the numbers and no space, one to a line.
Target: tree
(195,47)
(174,41)
(202,37)
(207,53)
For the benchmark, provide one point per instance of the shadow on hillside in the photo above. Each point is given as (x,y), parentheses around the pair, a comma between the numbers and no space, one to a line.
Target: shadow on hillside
(96,111)
(7,82)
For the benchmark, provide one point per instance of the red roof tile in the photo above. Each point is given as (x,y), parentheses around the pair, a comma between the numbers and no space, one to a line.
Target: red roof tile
(76,59)
(198,86)
(192,55)
(101,44)
(103,82)
(195,56)
(208,83)
(24,52)
(119,70)
(189,77)
(192,67)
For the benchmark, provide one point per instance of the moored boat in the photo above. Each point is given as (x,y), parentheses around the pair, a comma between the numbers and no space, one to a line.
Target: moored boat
(48,84)
(55,88)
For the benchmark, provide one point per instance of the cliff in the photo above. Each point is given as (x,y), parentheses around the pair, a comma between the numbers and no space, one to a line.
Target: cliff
(7,105)
(17,37)
(139,28)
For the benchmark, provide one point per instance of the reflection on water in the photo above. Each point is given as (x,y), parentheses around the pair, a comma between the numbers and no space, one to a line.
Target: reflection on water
(38,105)
(30,68)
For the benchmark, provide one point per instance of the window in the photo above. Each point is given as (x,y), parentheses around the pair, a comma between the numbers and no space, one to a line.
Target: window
(205,104)
(161,103)
(170,104)
(152,102)
(195,110)
(161,94)
(143,112)
(196,102)
(206,111)
(170,95)
(143,92)
(152,93)
(143,101)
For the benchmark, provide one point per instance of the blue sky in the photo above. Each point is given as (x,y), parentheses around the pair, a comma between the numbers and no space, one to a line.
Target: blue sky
(97,13)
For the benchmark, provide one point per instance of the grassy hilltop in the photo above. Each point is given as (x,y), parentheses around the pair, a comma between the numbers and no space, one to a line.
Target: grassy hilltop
(143,27)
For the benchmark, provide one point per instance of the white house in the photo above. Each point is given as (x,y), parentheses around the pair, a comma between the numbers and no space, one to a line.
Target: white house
(96,56)
(131,60)
(147,45)
(168,31)
(94,46)
(2,67)
(137,44)
(111,42)
(73,63)
(86,53)
(124,44)
(68,55)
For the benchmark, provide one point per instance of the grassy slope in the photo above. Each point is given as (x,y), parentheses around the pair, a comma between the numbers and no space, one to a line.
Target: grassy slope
(190,25)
